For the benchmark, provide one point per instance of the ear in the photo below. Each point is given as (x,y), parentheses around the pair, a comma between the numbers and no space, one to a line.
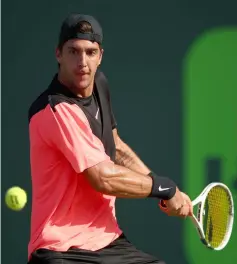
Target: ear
(58,55)
(101,56)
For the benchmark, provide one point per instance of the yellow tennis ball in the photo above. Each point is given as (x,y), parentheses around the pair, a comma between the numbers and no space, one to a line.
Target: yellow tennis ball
(16,198)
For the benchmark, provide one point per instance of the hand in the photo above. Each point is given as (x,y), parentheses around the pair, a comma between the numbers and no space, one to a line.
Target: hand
(180,205)
(188,203)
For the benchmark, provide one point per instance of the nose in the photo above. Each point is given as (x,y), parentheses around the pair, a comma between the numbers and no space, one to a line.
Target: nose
(82,60)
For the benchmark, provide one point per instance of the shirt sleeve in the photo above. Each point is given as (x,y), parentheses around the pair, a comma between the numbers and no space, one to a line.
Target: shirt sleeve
(66,128)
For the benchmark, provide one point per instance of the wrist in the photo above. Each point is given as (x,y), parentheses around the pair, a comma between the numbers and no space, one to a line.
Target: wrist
(162,187)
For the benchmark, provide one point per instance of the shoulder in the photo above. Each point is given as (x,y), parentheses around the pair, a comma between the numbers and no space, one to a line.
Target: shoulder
(58,114)
(38,104)
(55,103)
(51,98)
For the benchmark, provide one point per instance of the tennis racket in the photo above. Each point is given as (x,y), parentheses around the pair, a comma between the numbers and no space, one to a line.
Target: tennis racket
(214,216)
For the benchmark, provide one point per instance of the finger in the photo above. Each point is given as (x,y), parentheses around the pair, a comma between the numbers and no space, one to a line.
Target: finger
(176,214)
(185,210)
(169,211)
(191,210)
(173,213)
(190,207)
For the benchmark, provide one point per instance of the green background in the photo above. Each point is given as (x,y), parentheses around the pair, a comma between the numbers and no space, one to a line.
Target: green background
(172,71)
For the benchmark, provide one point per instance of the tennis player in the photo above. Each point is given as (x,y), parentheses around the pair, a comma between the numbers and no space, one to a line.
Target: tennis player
(79,164)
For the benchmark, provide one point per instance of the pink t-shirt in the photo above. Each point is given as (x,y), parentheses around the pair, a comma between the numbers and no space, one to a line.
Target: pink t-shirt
(66,210)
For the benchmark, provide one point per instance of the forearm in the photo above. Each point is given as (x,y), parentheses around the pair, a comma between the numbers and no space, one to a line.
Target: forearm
(119,181)
(126,157)
(115,180)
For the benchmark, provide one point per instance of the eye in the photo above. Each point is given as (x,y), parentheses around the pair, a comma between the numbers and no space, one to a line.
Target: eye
(92,52)
(73,51)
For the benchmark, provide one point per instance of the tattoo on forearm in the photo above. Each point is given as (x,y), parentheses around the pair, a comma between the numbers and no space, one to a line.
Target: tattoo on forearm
(124,158)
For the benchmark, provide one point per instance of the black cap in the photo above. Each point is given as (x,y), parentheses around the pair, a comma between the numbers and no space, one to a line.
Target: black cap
(69,29)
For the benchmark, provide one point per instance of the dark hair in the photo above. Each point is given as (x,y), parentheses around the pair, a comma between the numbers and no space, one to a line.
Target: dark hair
(84,27)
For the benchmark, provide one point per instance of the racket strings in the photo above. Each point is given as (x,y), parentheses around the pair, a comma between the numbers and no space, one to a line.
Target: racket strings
(216,218)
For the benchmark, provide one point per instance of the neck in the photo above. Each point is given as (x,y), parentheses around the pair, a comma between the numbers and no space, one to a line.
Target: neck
(75,90)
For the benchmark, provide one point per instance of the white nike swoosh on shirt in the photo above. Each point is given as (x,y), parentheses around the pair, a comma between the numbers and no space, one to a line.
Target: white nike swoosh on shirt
(97,113)
(163,189)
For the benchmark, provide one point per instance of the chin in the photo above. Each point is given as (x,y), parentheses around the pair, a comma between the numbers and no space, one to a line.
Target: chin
(82,85)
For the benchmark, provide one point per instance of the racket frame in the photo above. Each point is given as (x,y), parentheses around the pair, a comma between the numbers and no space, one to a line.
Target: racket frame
(198,219)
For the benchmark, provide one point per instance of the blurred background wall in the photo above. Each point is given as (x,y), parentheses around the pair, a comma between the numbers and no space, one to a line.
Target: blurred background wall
(172,68)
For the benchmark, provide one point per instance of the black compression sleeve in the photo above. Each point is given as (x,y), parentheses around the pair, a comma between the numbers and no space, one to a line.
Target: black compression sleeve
(162,187)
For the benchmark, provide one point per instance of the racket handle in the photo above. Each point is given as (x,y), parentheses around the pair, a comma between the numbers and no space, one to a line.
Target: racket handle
(162,204)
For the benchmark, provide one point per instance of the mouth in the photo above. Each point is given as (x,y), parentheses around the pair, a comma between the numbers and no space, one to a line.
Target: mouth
(82,73)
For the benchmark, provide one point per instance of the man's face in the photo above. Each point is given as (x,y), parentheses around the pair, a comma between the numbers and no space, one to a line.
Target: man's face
(79,60)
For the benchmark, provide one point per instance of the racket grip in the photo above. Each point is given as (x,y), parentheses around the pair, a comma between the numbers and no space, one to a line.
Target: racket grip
(162,204)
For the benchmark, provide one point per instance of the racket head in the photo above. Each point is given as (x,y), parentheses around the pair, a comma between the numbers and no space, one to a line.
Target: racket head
(215,215)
